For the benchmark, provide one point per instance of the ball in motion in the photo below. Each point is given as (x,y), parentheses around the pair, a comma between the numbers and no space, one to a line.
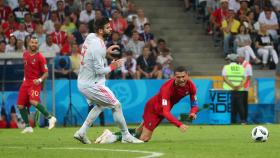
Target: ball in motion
(260,134)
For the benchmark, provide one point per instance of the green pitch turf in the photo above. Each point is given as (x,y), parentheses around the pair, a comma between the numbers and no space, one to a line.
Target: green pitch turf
(199,142)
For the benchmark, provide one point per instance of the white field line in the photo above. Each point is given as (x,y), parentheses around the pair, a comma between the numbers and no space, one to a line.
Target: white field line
(151,153)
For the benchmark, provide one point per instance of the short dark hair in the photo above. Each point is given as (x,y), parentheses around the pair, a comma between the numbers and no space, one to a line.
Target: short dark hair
(3,41)
(34,38)
(181,69)
(129,52)
(147,24)
(99,24)
(267,9)
(161,40)
(45,5)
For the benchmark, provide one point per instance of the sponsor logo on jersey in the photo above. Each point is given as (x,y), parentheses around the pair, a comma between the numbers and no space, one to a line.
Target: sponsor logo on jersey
(164,102)
(33,61)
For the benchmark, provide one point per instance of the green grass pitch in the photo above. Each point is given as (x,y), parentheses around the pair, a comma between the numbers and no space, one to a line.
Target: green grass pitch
(200,141)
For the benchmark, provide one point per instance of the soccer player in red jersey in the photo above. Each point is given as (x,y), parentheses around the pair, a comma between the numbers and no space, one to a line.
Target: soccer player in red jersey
(35,71)
(159,107)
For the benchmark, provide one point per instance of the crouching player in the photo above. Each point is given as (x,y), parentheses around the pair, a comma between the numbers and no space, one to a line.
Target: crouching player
(159,107)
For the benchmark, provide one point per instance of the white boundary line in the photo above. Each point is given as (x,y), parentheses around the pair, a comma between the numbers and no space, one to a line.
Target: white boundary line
(151,153)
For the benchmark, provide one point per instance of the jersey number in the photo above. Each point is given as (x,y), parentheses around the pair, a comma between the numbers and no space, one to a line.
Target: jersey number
(34,93)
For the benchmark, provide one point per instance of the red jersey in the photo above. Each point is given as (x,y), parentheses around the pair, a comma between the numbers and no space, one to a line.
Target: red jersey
(10,28)
(220,15)
(34,65)
(35,6)
(169,95)
(59,38)
(5,11)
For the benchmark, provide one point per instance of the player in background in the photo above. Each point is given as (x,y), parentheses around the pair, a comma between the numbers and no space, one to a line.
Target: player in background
(35,72)
(91,82)
(159,107)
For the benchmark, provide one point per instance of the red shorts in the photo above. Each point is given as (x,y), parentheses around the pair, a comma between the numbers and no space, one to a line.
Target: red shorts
(151,119)
(27,92)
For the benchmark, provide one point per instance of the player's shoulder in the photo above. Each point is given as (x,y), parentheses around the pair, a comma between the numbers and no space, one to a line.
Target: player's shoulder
(168,82)
(91,37)
(40,55)
(91,40)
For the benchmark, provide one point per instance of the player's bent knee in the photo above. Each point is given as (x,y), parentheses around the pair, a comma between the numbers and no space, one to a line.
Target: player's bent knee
(20,106)
(33,102)
(117,106)
(145,138)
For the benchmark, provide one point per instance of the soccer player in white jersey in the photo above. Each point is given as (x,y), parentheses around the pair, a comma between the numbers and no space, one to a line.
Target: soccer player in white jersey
(91,82)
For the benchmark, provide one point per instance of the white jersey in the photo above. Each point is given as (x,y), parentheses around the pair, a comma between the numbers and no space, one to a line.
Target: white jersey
(93,63)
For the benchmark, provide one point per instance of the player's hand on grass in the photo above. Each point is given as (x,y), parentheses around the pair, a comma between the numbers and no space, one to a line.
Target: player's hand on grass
(192,116)
(111,48)
(183,128)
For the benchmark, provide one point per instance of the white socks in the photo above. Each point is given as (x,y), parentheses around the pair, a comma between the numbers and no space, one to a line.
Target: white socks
(119,119)
(92,115)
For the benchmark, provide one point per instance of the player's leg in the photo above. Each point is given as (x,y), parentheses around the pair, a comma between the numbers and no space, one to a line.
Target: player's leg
(151,121)
(108,99)
(146,134)
(92,116)
(34,99)
(21,104)
(234,106)
(81,134)
(119,119)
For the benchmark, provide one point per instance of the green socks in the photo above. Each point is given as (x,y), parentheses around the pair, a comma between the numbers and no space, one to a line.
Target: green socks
(43,110)
(131,131)
(24,115)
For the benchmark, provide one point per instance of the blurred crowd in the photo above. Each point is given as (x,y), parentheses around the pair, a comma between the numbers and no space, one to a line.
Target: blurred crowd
(247,27)
(61,27)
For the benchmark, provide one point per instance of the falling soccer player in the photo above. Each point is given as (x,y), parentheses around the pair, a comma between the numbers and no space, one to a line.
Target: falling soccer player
(159,107)
(91,82)
(35,71)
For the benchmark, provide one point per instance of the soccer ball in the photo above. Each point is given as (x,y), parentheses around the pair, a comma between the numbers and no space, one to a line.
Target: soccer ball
(260,134)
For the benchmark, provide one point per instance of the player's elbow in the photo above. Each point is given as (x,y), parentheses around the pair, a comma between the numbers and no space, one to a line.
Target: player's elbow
(46,74)
(165,113)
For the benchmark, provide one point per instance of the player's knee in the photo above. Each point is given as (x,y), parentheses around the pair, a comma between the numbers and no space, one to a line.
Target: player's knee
(33,102)
(145,138)
(20,106)
(117,106)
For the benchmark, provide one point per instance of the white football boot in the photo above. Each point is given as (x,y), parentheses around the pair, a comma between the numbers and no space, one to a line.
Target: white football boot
(82,138)
(52,122)
(27,130)
(128,138)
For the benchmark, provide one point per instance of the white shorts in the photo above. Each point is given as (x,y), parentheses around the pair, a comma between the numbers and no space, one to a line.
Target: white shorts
(99,94)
